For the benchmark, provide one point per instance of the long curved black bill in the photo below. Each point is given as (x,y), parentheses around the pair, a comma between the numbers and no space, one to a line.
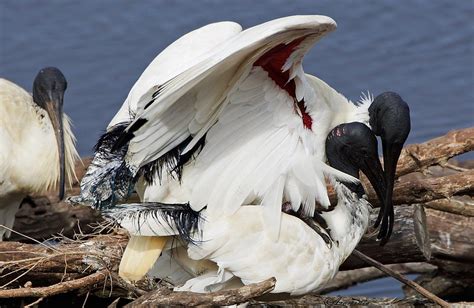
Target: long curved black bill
(389,119)
(55,112)
(391,153)
(372,168)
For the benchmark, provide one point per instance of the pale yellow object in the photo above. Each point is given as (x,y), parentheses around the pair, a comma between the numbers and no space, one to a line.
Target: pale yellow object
(140,255)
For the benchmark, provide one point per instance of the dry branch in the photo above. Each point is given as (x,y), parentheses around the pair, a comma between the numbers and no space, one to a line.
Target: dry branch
(401,278)
(416,157)
(451,236)
(83,283)
(420,190)
(56,263)
(165,296)
(407,244)
(344,301)
(461,205)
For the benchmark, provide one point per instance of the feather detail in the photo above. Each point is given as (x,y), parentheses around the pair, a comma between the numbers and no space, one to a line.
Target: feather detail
(156,219)
(271,203)
(108,178)
(224,71)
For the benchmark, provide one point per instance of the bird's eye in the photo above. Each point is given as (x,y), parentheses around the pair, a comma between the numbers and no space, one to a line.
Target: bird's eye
(363,152)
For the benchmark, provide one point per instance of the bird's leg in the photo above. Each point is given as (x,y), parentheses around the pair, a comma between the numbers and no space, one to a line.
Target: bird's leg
(322,222)
(287,208)
(312,223)
(317,222)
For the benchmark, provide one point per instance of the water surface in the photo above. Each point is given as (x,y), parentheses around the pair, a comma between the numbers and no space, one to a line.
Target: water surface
(420,49)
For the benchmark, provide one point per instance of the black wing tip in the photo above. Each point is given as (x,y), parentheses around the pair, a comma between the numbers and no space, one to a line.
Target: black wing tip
(179,216)
(121,141)
(129,133)
(172,162)
(110,137)
(187,221)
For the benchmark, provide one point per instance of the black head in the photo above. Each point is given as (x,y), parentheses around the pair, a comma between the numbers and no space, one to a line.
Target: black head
(49,85)
(390,119)
(352,147)
(48,93)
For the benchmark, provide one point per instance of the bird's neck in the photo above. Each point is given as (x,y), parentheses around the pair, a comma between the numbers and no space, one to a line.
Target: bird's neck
(334,108)
(348,221)
(39,160)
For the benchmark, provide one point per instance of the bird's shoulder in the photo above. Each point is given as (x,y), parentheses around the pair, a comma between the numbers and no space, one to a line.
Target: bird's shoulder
(11,93)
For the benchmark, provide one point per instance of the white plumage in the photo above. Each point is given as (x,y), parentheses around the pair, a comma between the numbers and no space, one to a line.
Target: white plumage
(243,247)
(29,159)
(256,126)
(255,136)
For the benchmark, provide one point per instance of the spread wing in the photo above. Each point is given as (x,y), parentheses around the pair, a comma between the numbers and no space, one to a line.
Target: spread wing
(175,59)
(249,102)
(190,103)
(107,179)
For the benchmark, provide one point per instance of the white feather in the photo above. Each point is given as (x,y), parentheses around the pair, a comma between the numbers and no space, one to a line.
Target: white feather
(176,58)
(29,156)
(230,57)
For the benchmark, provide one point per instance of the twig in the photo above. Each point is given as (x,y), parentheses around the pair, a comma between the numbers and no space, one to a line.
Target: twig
(453,167)
(35,302)
(62,287)
(401,278)
(85,300)
(30,238)
(346,279)
(418,156)
(125,285)
(21,275)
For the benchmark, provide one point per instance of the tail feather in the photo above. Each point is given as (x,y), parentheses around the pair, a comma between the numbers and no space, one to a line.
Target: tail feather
(150,225)
(157,219)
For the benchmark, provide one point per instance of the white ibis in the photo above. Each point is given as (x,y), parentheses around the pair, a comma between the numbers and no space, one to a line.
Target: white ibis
(224,118)
(303,258)
(37,147)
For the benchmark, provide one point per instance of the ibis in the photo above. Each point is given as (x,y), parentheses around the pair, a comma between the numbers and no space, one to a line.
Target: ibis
(306,255)
(37,146)
(226,122)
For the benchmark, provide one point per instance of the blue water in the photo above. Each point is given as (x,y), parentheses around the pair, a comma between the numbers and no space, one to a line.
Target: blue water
(420,49)
(382,287)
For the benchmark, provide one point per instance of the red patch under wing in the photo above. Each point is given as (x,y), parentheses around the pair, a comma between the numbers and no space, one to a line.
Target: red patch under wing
(272,62)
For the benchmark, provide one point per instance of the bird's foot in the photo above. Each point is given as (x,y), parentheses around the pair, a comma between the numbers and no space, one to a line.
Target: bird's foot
(287,208)
(317,222)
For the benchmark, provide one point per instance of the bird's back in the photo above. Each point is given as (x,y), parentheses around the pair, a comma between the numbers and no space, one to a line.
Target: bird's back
(14,102)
